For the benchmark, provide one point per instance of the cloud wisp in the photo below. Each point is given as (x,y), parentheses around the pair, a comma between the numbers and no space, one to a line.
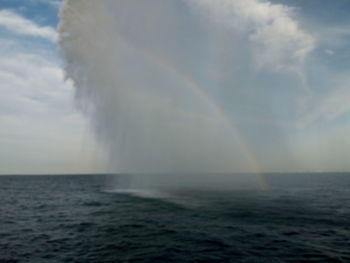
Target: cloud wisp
(20,25)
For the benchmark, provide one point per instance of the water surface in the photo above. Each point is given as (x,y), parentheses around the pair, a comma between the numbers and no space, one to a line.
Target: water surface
(299,218)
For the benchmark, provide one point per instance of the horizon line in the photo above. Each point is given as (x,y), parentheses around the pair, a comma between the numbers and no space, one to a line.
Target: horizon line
(213,173)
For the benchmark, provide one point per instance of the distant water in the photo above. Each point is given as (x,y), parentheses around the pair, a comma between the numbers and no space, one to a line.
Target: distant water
(298,218)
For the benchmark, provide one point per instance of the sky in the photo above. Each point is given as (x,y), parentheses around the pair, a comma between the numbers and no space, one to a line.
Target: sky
(40,129)
(280,68)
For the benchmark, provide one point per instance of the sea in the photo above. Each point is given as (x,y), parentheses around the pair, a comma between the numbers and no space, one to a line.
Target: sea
(85,218)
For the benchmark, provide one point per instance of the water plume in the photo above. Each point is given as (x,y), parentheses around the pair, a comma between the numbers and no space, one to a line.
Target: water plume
(149,74)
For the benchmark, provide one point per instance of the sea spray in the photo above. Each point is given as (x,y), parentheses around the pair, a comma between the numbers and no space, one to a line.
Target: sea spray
(151,76)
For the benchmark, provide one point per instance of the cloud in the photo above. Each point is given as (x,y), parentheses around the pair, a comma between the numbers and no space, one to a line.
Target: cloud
(17,24)
(33,90)
(279,44)
(326,107)
(276,38)
(32,83)
(40,130)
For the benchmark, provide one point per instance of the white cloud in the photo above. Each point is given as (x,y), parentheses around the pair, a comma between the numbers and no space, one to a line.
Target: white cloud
(277,40)
(40,130)
(17,24)
(329,105)
(31,78)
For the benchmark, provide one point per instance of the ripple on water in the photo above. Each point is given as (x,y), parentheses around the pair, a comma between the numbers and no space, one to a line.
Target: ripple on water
(183,226)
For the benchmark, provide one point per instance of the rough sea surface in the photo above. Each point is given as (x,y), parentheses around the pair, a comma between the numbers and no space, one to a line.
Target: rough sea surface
(296,218)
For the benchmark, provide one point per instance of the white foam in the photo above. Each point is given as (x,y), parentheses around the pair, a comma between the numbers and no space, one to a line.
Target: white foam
(142,193)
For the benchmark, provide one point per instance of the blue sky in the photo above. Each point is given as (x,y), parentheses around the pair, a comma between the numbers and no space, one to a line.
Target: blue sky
(42,132)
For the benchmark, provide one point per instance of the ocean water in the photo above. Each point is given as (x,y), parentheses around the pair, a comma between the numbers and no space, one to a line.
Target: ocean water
(296,218)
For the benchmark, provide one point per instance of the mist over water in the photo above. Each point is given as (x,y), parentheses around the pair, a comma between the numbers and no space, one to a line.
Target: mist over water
(177,87)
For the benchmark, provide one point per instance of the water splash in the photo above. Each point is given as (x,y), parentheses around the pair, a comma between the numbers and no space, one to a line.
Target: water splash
(144,73)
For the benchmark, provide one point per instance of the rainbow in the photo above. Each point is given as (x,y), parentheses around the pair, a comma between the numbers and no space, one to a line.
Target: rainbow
(215,108)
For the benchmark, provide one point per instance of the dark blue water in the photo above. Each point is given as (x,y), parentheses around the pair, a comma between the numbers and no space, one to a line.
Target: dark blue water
(298,218)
